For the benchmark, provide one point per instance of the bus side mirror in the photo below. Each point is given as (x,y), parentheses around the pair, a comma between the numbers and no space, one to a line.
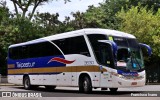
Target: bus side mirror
(115,48)
(147,47)
(113,45)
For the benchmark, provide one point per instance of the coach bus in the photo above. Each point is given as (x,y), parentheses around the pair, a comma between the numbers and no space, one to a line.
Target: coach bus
(87,58)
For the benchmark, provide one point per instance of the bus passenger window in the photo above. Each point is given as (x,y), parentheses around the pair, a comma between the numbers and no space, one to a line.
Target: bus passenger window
(73,45)
(78,45)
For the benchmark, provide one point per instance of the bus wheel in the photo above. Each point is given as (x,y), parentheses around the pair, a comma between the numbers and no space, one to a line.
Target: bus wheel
(113,89)
(26,83)
(50,87)
(87,86)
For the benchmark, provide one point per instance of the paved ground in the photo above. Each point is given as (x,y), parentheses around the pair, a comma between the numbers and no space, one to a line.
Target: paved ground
(70,93)
(12,87)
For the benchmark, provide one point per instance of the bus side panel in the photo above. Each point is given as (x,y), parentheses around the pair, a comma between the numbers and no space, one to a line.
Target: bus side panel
(15,79)
(74,79)
(50,79)
(11,79)
(64,78)
(81,63)
(36,79)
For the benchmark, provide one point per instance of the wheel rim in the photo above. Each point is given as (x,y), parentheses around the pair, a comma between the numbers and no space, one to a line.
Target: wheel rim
(26,83)
(85,85)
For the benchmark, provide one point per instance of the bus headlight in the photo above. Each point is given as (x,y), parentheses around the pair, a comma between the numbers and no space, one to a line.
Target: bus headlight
(120,76)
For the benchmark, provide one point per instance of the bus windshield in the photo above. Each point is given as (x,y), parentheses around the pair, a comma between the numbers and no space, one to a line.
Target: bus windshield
(129,54)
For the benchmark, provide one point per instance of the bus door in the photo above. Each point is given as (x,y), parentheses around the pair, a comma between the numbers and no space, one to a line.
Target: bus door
(106,64)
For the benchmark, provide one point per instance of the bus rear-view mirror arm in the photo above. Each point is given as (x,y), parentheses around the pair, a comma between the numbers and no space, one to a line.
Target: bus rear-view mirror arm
(147,47)
(113,45)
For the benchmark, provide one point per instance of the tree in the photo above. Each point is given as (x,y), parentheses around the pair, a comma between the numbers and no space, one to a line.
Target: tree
(48,21)
(25,4)
(92,18)
(111,7)
(95,17)
(4,16)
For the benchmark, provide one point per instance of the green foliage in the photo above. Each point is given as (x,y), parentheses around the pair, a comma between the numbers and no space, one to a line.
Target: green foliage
(111,7)
(48,21)
(92,18)
(19,31)
(144,24)
(95,17)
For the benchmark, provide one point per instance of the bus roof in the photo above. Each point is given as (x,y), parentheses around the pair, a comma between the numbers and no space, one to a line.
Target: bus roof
(77,33)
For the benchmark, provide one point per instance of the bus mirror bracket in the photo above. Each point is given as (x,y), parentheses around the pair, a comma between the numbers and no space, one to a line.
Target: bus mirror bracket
(112,43)
(147,47)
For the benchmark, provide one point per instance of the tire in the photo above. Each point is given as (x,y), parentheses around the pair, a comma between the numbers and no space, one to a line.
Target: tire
(26,83)
(85,86)
(113,90)
(50,87)
(81,90)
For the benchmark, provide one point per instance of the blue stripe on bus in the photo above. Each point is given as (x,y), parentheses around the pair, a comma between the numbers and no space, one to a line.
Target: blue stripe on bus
(40,62)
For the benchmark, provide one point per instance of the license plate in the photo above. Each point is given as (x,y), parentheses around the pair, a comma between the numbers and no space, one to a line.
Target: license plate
(134,83)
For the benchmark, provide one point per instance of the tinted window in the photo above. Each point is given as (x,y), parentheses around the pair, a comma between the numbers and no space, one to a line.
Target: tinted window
(43,49)
(126,42)
(102,51)
(73,45)
(63,44)
(120,41)
(14,53)
(34,50)
(93,38)
(105,55)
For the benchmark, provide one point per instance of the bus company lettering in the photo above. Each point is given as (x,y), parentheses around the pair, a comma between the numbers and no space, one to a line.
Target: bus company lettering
(130,74)
(88,62)
(127,73)
(25,65)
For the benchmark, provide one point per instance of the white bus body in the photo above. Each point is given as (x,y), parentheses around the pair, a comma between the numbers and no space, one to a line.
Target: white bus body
(78,59)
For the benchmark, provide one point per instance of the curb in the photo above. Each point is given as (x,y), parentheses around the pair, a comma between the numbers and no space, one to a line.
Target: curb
(153,84)
(6,84)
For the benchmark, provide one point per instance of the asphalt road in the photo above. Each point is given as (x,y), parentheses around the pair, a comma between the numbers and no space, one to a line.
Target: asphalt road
(72,92)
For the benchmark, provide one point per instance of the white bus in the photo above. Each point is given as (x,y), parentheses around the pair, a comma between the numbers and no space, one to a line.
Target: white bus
(86,58)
